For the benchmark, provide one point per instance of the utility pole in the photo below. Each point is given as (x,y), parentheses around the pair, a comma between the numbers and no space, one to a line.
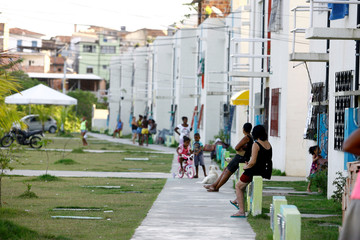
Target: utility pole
(64,53)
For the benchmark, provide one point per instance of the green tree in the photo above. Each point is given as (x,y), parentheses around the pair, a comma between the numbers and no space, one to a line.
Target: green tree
(85,103)
(8,115)
(24,81)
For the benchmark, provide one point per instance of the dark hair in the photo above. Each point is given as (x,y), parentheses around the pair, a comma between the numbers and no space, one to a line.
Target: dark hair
(140,116)
(247,127)
(184,117)
(312,149)
(196,134)
(259,132)
(185,138)
(145,117)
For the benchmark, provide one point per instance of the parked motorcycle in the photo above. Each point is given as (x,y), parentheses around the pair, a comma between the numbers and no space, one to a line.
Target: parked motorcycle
(31,138)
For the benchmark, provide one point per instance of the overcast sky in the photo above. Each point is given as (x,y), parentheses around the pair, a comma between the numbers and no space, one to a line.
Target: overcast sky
(53,18)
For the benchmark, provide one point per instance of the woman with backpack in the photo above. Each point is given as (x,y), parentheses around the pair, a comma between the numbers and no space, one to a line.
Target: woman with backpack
(260,164)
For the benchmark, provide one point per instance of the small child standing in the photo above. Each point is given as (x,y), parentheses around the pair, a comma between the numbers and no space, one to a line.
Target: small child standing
(183,149)
(198,154)
(318,163)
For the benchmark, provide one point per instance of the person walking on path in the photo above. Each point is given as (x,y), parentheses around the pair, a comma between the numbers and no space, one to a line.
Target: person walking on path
(198,155)
(350,229)
(260,164)
(145,131)
(243,153)
(139,123)
(83,127)
(134,129)
(118,129)
(184,129)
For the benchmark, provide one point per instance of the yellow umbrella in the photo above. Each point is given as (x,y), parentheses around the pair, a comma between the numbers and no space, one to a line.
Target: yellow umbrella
(240,98)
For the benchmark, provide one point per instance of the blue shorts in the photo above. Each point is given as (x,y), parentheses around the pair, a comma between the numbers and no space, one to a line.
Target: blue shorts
(199,159)
(138,130)
(134,131)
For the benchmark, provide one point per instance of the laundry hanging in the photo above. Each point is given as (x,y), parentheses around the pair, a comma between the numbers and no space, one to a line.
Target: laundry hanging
(338,11)
(201,72)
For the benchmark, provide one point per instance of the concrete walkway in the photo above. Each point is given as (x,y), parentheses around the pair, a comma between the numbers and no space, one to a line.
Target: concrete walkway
(185,210)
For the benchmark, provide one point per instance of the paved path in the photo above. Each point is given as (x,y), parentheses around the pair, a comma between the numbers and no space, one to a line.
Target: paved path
(185,210)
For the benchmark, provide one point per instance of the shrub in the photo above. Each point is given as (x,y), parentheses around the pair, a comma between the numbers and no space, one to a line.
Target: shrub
(28,193)
(65,161)
(77,150)
(339,184)
(320,181)
(47,178)
(277,172)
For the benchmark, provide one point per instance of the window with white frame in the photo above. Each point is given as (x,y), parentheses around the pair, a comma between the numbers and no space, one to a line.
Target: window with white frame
(89,48)
(108,49)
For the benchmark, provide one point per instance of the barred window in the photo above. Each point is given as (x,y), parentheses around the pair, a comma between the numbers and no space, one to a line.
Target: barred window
(89,48)
(274,123)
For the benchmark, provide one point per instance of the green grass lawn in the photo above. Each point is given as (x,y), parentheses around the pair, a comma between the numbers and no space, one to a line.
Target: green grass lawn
(106,162)
(94,144)
(85,161)
(311,228)
(129,204)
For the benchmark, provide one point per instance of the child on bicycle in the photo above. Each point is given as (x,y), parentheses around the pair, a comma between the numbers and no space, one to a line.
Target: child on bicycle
(198,154)
(183,149)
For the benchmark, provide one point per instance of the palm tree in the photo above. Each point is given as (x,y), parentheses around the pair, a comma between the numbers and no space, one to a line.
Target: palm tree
(8,115)
(8,85)
(44,113)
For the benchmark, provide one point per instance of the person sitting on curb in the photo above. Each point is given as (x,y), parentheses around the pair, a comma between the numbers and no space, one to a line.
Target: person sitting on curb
(243,153)
(260,164)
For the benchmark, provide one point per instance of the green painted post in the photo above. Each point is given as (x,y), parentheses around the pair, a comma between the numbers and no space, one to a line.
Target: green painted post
(277,202)
(248,198)
(223,158)
(256,206)
(292,219)
(218,152)
(239,172)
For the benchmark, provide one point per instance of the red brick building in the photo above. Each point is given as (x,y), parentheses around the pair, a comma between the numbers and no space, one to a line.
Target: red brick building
(223,5)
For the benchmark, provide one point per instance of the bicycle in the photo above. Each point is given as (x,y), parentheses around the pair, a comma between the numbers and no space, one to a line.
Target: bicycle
(189,169)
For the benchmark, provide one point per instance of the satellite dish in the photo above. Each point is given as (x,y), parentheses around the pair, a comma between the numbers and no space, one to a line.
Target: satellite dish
(217,11)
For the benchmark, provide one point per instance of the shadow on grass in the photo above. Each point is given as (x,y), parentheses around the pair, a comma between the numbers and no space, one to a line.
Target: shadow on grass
(66,161)
(12,231)
(46,178)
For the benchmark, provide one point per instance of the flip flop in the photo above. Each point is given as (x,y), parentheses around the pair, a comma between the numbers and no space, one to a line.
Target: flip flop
(234,204)
(212,190)
(242,216)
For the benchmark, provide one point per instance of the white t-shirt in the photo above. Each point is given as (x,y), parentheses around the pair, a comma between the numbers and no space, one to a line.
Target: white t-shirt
(184,131)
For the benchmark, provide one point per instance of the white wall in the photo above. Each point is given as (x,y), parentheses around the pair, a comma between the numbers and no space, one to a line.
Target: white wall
(185,42)
(162,81)
(141,79)
(122,68)
(212,33)
(26,41)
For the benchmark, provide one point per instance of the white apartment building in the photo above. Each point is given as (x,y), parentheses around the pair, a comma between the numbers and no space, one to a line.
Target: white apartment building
(185,63)
(336,30)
